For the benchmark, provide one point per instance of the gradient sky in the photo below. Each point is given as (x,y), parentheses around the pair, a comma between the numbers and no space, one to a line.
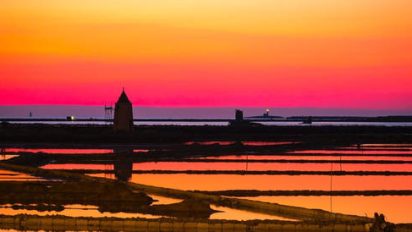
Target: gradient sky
(295,53)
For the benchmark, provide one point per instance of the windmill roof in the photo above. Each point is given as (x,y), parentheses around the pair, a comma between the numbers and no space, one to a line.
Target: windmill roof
(123,98)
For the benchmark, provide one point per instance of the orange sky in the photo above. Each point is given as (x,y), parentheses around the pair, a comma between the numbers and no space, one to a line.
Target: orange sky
(318,53)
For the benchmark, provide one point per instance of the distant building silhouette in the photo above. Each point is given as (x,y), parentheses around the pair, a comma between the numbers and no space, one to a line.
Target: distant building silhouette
(266,114)
(307,120)
(240,120)
(239,115)
(123,114)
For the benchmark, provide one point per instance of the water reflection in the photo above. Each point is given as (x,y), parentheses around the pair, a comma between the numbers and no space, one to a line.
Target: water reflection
(396,208)
(353,152)
(256,166)
(123,164)
(162,200)
(303,157)
(215,182)
(6,157)
(75,210)
(6,175)
(385,145)
(122,167)
(58,150)
(225,213)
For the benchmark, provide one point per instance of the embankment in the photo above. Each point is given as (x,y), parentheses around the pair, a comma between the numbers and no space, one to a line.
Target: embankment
(61,223)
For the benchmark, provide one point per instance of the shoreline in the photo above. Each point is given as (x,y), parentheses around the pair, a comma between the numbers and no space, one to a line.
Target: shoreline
(52,223)
(159,134)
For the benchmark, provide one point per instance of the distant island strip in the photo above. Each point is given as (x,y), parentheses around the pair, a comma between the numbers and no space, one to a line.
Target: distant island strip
(123,117)
(251,119)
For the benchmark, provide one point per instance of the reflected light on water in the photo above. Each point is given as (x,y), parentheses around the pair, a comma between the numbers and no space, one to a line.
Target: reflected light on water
(7,157)
(6,175)
(360,151)
(235,214)
(75,211)
(303,157)
(396,208)
(240,166)
(59,151)
(271,182)
(161,200)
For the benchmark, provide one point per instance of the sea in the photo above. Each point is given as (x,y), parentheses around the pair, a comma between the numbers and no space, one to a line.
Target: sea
(146,112)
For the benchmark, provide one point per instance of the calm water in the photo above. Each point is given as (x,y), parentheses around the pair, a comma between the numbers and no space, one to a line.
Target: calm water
(6,175)
(292,123)
(55,111)
(6,157)
(92,211)
(303,157)
(357,152)
(235,214)
(396,208)
(239,166)
(74,211)
(58,150)
(358,205)
(270,182)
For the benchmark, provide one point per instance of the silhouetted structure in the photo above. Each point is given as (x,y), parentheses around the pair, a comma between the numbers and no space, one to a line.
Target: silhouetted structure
(240,121)
(239,115)
(70,118)
(381,225)
(307,120)
(123,114)
(266,116)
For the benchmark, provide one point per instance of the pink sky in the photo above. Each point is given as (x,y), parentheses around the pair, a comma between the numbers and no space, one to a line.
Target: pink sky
(339,54)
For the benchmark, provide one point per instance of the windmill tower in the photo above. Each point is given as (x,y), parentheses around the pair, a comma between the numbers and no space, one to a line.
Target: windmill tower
(123,114)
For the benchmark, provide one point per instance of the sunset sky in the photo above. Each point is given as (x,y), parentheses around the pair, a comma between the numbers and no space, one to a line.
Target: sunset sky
(275,53)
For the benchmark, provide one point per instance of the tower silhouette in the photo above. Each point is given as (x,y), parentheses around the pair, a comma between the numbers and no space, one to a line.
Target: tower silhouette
(123,114)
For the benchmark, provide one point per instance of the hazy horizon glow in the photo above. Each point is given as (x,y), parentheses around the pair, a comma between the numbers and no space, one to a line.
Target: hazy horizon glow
(298,53)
